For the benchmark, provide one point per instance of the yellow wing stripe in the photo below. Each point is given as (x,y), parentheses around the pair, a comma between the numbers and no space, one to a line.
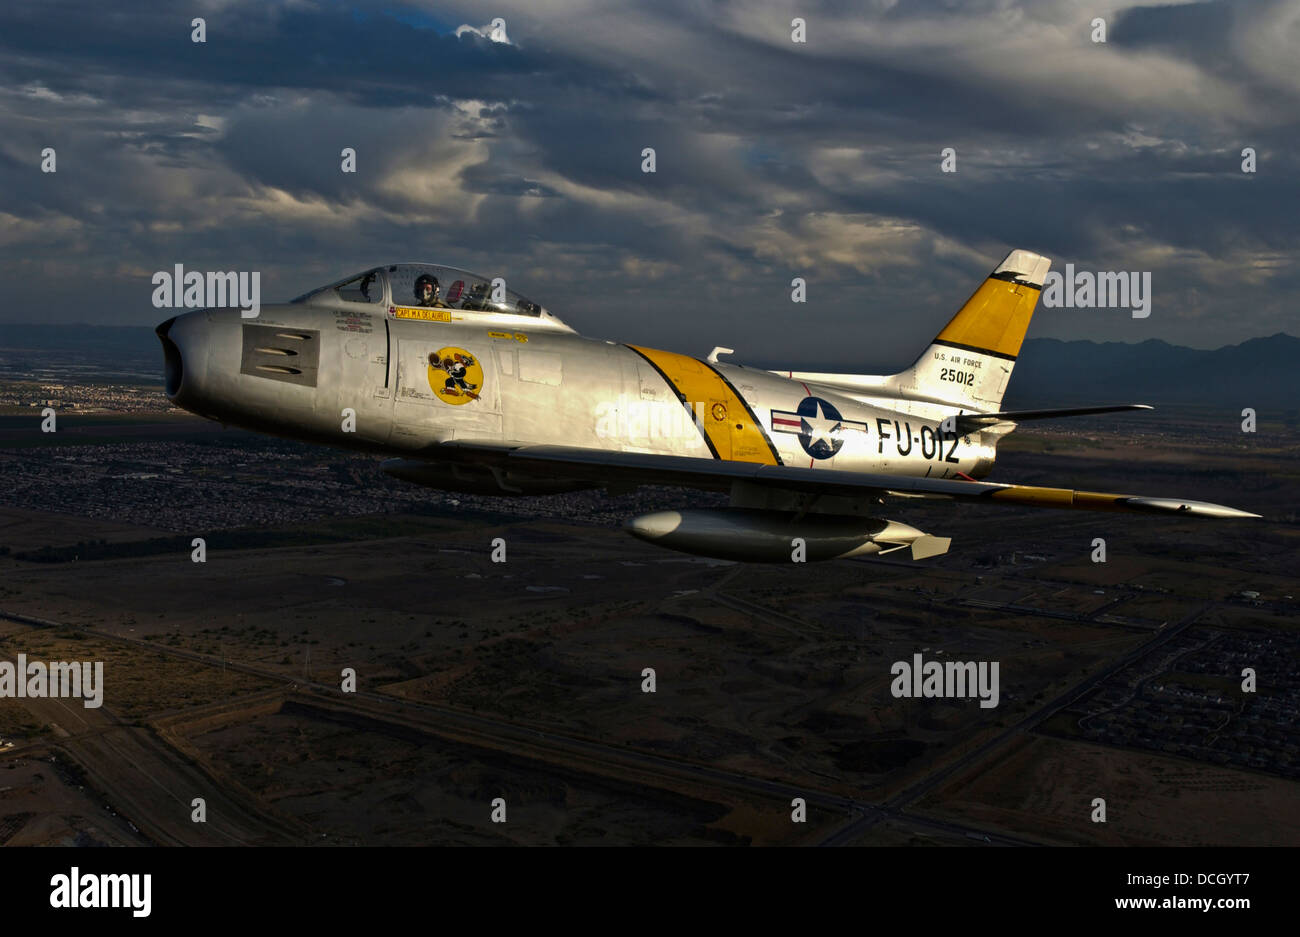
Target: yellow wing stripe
(1061,498)
(994,319)
(724,417)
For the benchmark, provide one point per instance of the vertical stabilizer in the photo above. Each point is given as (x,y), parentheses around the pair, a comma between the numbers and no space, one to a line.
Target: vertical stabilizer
(970,361)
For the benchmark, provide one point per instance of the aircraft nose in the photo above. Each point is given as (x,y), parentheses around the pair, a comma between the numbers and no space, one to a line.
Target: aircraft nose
(184,346)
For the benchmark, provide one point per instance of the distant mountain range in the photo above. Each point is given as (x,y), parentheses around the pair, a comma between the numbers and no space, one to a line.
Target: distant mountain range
(1261,372)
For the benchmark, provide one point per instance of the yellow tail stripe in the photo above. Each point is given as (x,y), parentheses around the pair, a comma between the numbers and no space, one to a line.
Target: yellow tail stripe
(994,319)
(725,418)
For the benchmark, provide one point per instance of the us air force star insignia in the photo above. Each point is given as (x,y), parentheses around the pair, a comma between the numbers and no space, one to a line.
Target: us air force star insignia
(819,425)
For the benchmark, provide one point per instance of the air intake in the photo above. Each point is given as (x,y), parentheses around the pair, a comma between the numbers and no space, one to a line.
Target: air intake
(173,366)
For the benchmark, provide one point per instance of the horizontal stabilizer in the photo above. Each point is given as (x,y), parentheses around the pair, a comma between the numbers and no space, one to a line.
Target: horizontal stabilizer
(967,422)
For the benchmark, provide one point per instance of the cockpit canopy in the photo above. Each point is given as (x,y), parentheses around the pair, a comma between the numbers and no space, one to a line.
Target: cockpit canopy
(399,287)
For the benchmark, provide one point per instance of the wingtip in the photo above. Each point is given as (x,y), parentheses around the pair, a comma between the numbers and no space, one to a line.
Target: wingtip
(1197,508)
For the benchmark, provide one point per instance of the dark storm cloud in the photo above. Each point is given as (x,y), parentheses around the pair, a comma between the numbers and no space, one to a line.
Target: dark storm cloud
(1187,27)
(367,57)
(774,159)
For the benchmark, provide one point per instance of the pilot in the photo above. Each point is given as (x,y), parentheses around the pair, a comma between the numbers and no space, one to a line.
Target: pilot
(426,291)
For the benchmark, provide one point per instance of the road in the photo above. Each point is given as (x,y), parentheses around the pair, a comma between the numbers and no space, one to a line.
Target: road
(896,805)
(111,762)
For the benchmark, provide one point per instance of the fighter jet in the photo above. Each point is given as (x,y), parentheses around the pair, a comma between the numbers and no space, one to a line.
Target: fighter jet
(470,387)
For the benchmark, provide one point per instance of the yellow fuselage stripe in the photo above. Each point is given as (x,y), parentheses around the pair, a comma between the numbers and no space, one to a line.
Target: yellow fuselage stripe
(726,420)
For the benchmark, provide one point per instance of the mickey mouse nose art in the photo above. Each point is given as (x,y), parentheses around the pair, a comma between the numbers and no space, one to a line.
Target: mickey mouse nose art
(455,376)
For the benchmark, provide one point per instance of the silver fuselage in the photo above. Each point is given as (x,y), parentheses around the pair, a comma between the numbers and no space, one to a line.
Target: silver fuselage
(336,373)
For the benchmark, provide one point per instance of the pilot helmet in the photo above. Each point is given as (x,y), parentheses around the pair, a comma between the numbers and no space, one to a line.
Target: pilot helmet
(421,282)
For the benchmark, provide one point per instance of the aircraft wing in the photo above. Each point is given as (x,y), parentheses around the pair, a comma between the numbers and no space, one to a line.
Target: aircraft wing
(604,466)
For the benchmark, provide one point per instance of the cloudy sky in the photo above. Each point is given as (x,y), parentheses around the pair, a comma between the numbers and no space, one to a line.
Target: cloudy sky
(522,158)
